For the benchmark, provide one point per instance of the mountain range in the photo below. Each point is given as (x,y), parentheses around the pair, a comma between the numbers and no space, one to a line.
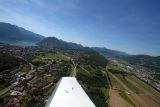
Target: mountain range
(54,42)
(13,34)
(109,52)
(16,35)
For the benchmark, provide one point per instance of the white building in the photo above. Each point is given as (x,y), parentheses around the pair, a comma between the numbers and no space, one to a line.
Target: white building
(69,93)
(16,93)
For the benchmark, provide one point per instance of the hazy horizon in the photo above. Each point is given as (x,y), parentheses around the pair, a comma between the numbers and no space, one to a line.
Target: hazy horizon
(130,26)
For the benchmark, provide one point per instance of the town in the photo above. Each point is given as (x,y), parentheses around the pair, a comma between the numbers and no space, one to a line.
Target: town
(143,73)
(26,79)
(30,73)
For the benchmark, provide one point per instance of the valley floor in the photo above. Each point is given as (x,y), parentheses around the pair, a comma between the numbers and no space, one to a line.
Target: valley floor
(115,100)
(131,92)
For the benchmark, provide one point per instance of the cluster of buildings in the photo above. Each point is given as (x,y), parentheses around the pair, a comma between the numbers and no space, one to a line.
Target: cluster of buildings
(19,83)
(142,73)
(16,87)
(18,80)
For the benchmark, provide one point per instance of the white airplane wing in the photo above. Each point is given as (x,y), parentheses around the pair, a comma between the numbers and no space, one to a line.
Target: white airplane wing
(69,93)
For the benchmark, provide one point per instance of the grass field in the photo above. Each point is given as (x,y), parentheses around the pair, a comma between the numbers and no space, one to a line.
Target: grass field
(114,67)
(115,83)
(105,92)
(147,88)
(83,71)
(127,99)
(128,83)
(49,58)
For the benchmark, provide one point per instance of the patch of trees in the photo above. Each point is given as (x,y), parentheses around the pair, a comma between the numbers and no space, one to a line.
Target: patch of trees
(157,76)
(8,62)
(94,59)
(97,96)
(97,80)
(92,83)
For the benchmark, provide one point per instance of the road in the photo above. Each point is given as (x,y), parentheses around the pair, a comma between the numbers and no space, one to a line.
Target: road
(74,69)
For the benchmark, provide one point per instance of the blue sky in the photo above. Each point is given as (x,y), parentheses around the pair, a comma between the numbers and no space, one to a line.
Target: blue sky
(132,26)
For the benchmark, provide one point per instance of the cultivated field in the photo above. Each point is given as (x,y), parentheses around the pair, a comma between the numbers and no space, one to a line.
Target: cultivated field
(133,91)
